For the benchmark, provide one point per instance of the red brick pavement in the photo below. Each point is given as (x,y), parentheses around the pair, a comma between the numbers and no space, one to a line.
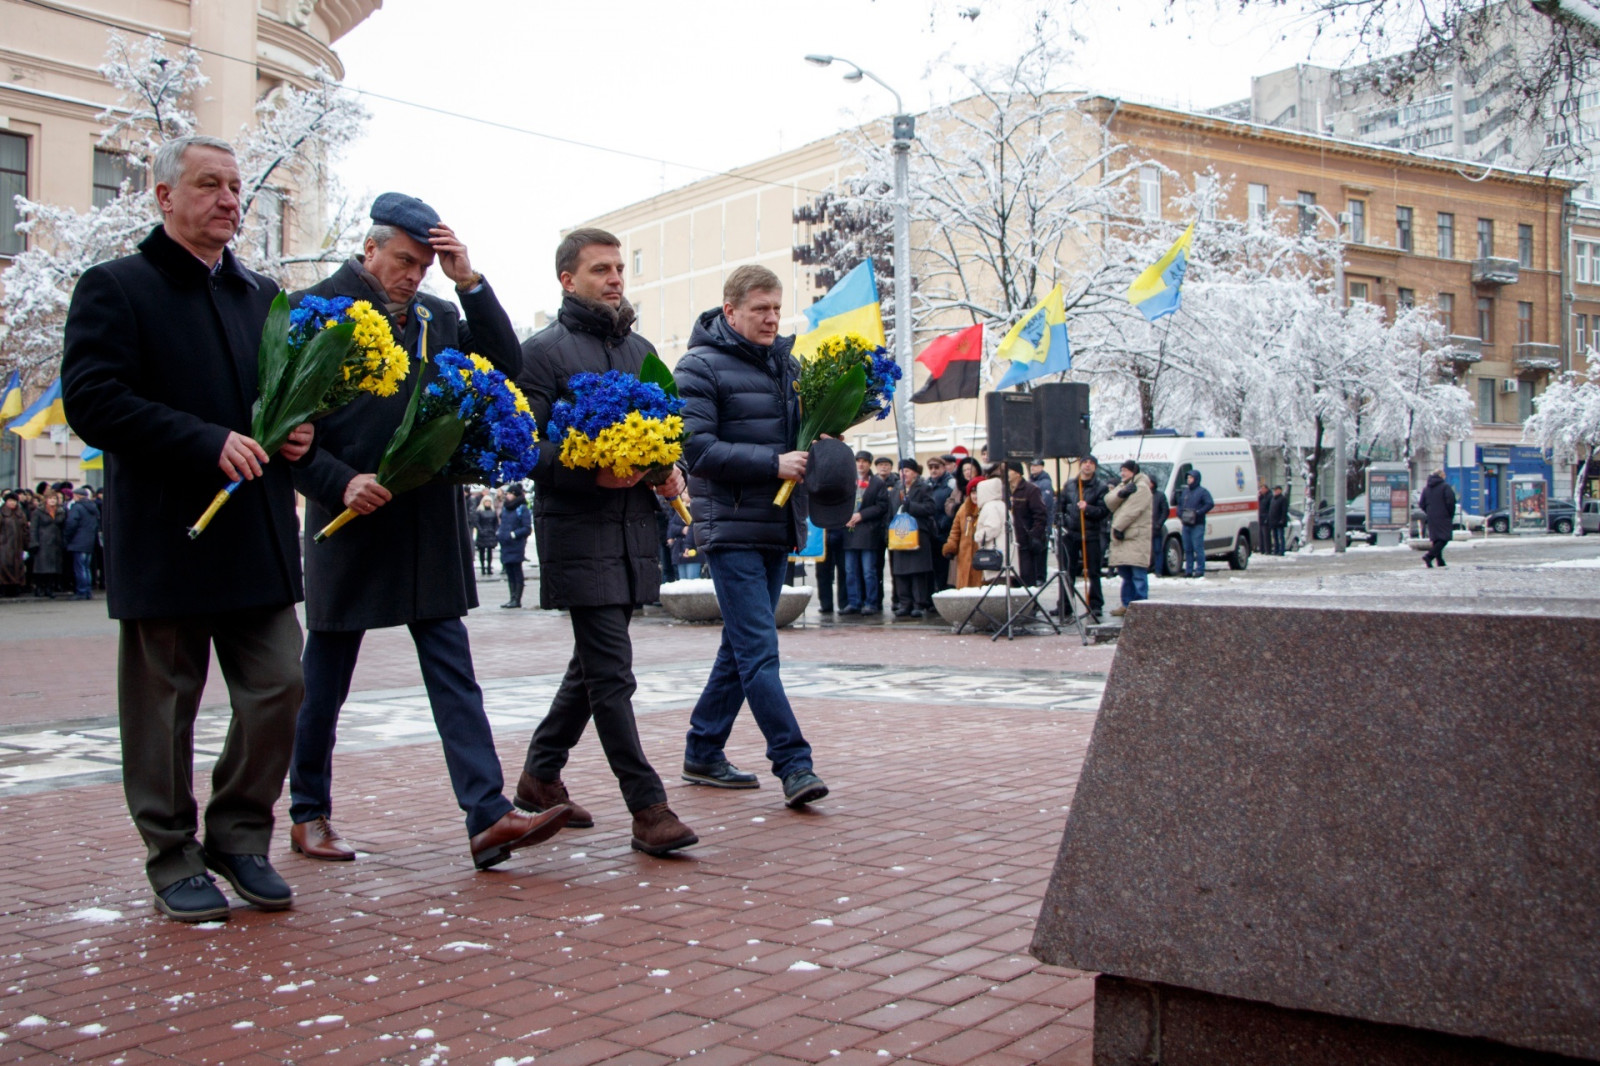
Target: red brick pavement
(889,923)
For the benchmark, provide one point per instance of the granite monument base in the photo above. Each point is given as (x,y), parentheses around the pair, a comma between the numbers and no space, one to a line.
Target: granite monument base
(1378,809)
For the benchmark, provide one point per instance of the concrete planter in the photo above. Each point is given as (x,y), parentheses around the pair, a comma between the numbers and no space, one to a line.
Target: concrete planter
(696,601)
(954,605)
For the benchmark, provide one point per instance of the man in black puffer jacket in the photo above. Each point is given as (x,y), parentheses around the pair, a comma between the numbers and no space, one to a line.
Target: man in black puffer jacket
(742,415)
(598,557)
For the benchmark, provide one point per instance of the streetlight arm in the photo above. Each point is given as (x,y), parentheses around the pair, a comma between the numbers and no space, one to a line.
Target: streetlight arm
(859,72)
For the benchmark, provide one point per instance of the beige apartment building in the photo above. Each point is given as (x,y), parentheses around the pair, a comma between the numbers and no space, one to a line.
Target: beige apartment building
(51,92)
(1513,264)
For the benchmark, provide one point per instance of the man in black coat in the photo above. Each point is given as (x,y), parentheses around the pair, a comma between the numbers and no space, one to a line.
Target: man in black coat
(1083,508)
(1439,504)
(1278,519)
(598,554)
(742,415)
(408,559)
(160,372)
(913,567)
(82,533)
(1031,522)
(863,580)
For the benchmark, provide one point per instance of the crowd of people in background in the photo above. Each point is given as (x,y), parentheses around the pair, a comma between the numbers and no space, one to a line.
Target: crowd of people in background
(50,541)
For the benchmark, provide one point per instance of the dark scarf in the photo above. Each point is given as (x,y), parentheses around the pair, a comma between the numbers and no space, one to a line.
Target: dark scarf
(597,316)
(397,310)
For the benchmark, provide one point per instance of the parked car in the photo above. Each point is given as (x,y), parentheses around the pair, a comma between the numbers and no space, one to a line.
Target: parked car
(1355,521)
(1560,517)
(1591,516)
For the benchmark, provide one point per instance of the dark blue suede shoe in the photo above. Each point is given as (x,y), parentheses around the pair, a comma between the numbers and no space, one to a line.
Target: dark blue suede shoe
(253,878)
(718,775)
(194,899)
(803,787)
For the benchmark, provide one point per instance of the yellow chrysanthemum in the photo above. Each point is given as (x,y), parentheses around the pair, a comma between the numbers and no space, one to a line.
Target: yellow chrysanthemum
(521,400)
(633,444)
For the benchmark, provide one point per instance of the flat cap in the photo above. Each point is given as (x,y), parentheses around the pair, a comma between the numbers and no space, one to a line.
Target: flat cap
(406,213)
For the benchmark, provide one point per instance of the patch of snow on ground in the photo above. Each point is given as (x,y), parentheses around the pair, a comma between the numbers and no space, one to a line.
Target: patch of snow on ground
(96,914)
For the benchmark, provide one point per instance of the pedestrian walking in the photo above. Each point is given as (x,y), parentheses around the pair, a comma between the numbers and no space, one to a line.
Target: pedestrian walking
(512,532)
(598,554)
(1439,504)
(1129,504)
(159,372)
(408,561)
(741,417)
(1194,503)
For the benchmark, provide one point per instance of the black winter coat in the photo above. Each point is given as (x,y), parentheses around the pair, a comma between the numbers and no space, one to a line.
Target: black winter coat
(159,366)
(741,413)
(1439,504)
(917,501)
(1094,494)
(485,524)
(47,541)
(1028,516)
(872,504)
(1278,512)
(83,526)
(515,526)
(411,559)
(597,547)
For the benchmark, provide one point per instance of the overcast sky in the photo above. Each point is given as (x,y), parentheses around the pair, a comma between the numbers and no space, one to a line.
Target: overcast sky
(712,84)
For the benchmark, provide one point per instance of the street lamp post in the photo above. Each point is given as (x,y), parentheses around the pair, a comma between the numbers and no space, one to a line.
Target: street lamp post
(1340,471)
(905,130)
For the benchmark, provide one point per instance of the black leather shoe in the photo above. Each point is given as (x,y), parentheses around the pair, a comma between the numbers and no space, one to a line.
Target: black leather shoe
(719,775)
(194,899)
(851,610)
(253,878)
(803,787)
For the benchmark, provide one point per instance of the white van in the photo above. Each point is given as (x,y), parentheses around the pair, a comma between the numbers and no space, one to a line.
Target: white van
(1227,467)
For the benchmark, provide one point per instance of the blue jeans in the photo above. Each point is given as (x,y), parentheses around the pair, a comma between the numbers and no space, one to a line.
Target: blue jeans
(861,578)
(1194,549)
(1278,543)
(453,693)
(689,569)
(80,572)
(748,584)
(1135,583)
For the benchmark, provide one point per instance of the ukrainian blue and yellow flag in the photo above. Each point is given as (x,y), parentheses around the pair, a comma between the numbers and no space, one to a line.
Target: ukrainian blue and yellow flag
(45,411)
(1159,290)
(92,459)
(851,306)
(1037,345)
(11,397)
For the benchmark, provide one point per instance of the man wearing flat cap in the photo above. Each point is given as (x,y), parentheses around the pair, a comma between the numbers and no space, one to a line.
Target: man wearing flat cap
(408,559)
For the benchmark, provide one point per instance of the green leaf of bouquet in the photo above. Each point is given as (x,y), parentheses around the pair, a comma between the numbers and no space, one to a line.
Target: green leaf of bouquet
(271,358)
(422,454)
(312,375)
(655,372)
(838,410)
(403,430)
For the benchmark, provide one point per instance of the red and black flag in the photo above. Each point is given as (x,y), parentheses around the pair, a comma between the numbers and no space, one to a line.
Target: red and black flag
(954,361)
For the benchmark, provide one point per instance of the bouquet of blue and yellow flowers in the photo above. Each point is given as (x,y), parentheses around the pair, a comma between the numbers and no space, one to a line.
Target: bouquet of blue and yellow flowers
(469,425)
(622,423)
(313,360)
(845,382)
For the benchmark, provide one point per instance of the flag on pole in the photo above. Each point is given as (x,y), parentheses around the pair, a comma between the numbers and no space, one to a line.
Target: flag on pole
(92,459)
(851,306)
(1037,345)
(11,398)
(954,362)
(45,411)
(1159,290)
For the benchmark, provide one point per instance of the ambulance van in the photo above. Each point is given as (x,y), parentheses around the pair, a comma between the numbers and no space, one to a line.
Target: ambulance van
(1227,467)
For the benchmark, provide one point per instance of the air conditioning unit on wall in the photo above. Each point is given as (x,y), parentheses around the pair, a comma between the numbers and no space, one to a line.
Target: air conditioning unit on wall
(1510,385)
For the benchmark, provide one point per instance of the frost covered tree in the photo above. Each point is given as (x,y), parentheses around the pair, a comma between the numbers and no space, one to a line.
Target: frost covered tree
(1566,416)
(295,135)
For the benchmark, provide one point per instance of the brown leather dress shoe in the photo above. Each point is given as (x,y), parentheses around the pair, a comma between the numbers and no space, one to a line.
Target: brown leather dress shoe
(515,830)
(318,839)
(657,831)
(535,796)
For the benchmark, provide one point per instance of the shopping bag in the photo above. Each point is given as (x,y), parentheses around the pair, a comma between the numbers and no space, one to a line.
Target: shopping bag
(903,534)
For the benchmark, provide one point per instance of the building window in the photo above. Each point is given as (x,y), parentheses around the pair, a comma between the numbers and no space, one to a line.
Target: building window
(1447,235)
(269,205)
(1486,319)
(1580,260)
(1580,333)
(1402,228)
(1358,221)
(1524,400)
(13,183)
(1447,311)
(1485,238)
(1524,322)
(1308,217)
(1525,247)
(1407,298)
(638,262)
(1257,205)
(111,169)
(1358,292)
(1149,192)
(1486,399)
